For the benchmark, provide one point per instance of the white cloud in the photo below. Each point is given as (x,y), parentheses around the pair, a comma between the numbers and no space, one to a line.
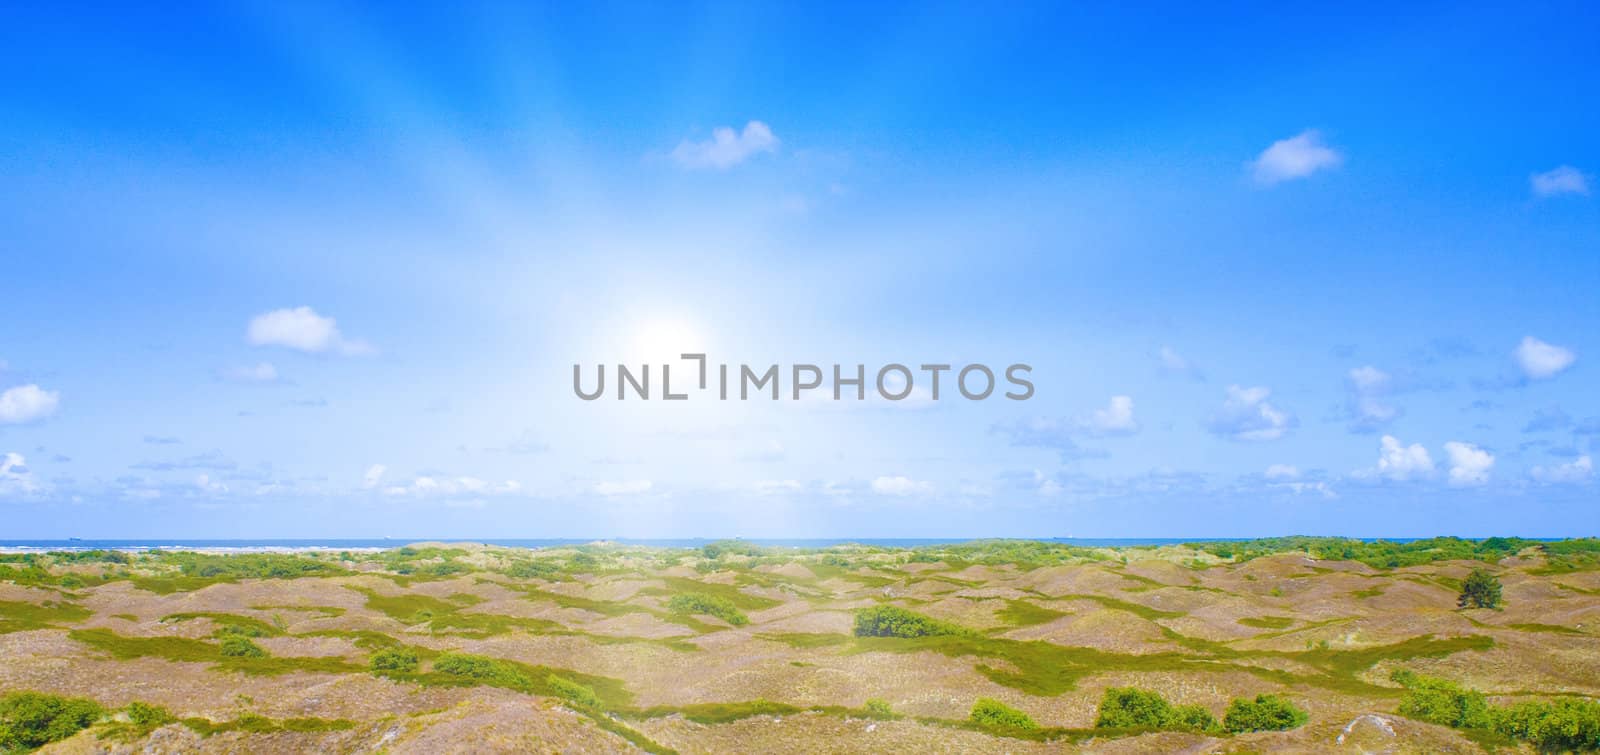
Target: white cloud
(1296,157)
(14,475)
(727,147)
(900,486)
(1365,404)
(373,475)
(446,487)
(1401,462)
(262,372)
(1247,415)
(1046,485)
(302,329)
(1540,360)
(1561,180)
(208,485)
(26,403)
(776,487)
(623,487)
(1177,364)
(1320,488)
(1469,465)
(1580,470)
(1115,419)
(1282,472)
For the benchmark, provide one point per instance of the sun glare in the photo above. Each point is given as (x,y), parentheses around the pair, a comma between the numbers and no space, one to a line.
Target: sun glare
(664,340)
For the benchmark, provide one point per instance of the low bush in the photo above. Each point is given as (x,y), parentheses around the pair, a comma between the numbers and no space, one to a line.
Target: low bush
(892,621)
(878,707)
(993,714)
(395,659)
(1561,725)
(710,605)
(573,691)
(145,714)
(1131,707)
(30,720)
(1265,713)
(241,647)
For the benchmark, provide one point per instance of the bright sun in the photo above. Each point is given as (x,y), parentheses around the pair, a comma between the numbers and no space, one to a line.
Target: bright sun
(664,340)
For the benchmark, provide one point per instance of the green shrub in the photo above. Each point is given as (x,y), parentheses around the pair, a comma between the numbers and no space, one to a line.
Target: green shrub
(892,621)
(239,630)
(993,714)
(1480,590)
(30,720)
(395,659)
(878,707)
(1442,702)
(470,666)
(145,714)
(573,691)
(1192,718)
(1127,707)
(1558,726)
(1265,713)
(710,605)
(1131,707)
(533,569)
(241,647)
(1561,725)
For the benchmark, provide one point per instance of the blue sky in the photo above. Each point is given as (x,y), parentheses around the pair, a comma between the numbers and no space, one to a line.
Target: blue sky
(312,270)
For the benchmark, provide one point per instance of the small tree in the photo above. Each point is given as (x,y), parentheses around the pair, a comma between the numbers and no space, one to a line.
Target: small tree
(1480,590)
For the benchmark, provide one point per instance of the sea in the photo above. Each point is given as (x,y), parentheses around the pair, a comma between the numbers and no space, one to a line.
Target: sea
(375,544)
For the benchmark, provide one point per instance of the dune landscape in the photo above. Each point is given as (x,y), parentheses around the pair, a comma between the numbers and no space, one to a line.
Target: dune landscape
(990,646)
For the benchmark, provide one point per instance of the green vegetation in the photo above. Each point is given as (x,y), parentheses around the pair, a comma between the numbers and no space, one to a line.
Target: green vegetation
(572,691)
(1385,554)
(710,605)
(878,707)
(1265,713)
(241,647)
(1564,724)
(1267,622)
(249,565)
(18,616)
(30,720)
(403,660)
(186,650)
(990,713)
(1021,613)
(1480,590)
(1134,708)
(143,718)
(1024,554)
(537,680)
(892,621)
(230,624)
(258,724)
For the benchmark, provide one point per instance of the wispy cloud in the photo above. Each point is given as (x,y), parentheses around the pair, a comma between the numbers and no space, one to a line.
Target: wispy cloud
(261,372)
(726,147)
(1564,179)
(1299,156)
(1579,471)
(1247,415)
(900,486)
